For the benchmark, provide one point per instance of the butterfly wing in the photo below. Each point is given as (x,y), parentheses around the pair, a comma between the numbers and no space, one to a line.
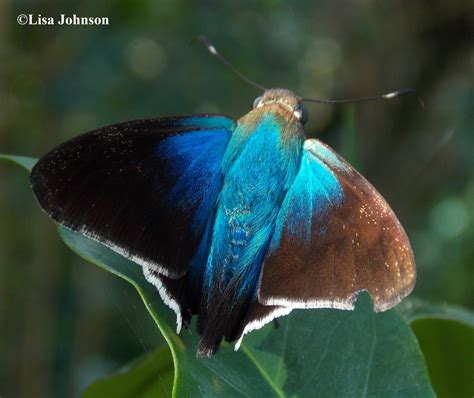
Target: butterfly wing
(144,188)
(335,236)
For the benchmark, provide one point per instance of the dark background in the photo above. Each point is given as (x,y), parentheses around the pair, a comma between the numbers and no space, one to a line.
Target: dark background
(64,322)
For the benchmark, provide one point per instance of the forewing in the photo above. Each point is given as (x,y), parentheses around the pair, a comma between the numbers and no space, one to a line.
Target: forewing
(335,236)
(144,188)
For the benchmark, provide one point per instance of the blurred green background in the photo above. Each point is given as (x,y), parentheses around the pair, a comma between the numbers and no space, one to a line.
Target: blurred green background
(64,322)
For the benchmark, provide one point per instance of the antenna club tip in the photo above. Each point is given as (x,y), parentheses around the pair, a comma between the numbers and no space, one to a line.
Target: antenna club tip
(207,43)
(391,95)
(212,49)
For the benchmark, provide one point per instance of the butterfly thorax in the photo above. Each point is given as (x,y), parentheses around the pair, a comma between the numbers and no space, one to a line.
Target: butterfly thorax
(259,166)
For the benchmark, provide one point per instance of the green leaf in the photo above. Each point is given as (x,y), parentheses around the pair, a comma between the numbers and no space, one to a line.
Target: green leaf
(448,347)
(322,353)
(415,309)
(446,336)
(23,161)
(148,377)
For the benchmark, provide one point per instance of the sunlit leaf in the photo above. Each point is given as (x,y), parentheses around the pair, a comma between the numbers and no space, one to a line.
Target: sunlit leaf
(415,309)
(148,377)
(23,161)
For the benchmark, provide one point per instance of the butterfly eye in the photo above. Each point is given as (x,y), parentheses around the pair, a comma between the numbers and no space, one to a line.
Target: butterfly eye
(302,114)
(256,102)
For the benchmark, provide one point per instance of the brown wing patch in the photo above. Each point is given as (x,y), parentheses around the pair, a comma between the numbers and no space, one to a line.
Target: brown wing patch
(364,247)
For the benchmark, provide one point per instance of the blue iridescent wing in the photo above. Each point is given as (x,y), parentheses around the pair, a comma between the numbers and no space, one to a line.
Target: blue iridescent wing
(335,236)
(144,188)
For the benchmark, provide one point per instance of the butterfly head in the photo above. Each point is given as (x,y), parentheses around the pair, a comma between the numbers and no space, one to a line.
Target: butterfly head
(287,102)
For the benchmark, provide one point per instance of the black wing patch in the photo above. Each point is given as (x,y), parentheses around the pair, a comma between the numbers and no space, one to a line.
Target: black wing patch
(144,188)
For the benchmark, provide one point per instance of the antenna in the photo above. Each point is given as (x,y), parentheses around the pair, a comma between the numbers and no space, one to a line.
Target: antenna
(399,93)
(210,47)
(394,94)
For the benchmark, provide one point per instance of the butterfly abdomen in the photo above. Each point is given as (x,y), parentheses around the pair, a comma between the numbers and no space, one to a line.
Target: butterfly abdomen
(255,182)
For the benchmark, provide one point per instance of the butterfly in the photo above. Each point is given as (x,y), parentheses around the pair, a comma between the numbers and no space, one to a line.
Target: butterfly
(235,222)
